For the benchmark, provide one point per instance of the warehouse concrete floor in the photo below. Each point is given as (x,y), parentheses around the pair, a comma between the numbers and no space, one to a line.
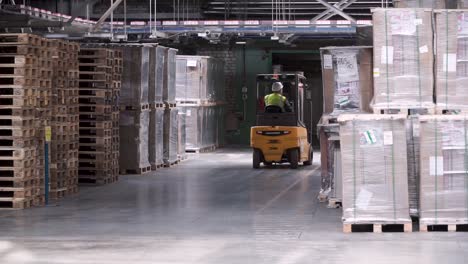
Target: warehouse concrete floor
(212,208)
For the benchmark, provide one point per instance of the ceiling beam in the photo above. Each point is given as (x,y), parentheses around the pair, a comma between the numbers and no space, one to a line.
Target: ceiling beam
(107,14)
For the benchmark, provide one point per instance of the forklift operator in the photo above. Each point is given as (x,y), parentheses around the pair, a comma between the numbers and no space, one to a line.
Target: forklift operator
(277,100)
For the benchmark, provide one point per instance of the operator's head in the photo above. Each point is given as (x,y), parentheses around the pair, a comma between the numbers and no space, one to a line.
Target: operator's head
(277,87)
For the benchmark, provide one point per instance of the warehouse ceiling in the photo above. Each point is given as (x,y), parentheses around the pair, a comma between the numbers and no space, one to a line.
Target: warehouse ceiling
(285,21)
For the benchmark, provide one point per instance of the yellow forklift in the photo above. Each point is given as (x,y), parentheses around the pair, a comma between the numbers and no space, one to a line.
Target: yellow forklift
(278,136)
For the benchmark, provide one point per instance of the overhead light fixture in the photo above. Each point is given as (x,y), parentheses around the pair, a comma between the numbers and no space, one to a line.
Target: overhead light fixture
(241,42)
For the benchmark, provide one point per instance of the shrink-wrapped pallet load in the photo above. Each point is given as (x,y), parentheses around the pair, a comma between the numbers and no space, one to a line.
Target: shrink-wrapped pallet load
(374,169)
(403,58)
(347,79)
(451,40)
(134,139)
(444,170)
(438,4)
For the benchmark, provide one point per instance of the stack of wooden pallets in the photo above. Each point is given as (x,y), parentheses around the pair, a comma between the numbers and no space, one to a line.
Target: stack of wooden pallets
(99,86)
(64,120)
(25,90)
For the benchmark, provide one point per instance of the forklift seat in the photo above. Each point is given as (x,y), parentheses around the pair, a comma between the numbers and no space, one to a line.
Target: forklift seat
(273,109)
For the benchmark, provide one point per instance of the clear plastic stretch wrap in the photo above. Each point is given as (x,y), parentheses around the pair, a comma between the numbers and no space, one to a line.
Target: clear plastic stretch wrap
(134,139)
(438,4)
(169,88)
(156,137)
(220,111)
(451,59)
(204,126)
(199,78)
(181,133)
(170,135)
(462,4)
(403,58)
(412,137)
(444,169)
(347,79)
(135,76)
(374,168)
(156,78)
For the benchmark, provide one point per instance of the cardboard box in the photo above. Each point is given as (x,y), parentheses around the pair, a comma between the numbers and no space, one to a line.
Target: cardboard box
(374,168)
(403,58)
(347,79)
(451,59)
(444,169)
(439,4)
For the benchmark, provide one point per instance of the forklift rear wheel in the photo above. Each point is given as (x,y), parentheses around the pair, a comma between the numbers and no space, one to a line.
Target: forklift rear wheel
(293,157)
(257,157)
(309,161)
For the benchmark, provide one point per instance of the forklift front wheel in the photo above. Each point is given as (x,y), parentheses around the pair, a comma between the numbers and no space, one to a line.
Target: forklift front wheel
(257,158)
(293,157)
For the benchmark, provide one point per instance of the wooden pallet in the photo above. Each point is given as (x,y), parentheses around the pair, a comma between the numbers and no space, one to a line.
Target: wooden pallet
(334,203)
(404,110)
(133,107)
(201,150)
(170,164)
(158,166)
(170,105)
(328,120)
(157,105)
(451,111)
(7,203)
(143,170)
(378,228)
(443,228)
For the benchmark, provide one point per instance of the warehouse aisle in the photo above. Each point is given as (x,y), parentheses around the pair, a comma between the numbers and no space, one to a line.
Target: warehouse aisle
(212,208)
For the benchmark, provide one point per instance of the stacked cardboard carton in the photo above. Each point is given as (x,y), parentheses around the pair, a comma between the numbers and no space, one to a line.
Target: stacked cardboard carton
(451,40)
(403,59)
(135,110)
(171,112)
(158,55)
(438,4)
(444,169)
(347,88)
(200,96)
(374,170)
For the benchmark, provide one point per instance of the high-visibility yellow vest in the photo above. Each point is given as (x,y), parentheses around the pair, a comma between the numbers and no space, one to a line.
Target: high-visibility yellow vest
(275,99)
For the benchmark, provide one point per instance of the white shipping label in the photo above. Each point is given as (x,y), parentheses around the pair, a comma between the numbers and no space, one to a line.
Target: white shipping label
(436,166)
(363,199)
(388,137)
(327,62)
(191,63)
(462,24)
(404,23)
(418,21)
(423,49)
(450,62)
(415,129)
(376,72)
(188,113)
(347,68)
(386,55)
